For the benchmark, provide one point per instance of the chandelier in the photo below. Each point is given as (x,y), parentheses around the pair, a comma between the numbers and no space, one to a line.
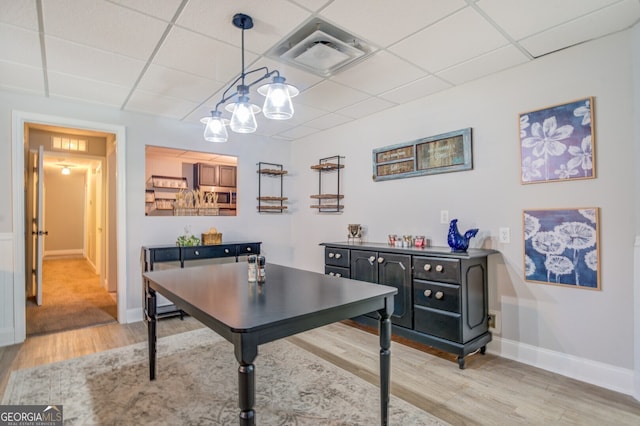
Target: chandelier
(277,104)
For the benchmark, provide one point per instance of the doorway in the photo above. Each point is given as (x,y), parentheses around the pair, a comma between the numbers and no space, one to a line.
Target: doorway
(67,199)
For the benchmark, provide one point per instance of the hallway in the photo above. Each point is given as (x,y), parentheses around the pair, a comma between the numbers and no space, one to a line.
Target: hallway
(72,298)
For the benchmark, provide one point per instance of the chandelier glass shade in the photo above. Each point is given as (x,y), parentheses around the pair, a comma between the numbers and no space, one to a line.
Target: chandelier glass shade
(277,104)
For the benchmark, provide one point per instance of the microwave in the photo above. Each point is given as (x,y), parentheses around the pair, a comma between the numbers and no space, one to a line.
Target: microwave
(226,198)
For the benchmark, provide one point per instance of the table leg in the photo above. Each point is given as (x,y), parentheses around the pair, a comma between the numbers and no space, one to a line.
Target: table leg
(247,394)
(385,365)
(151,330)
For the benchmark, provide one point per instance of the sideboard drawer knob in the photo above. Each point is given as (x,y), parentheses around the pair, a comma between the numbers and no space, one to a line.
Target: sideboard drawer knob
(248,248)
(427,293)
(338,255)
(427,267)
(380,259)
(331,255)
(439,295)
(226,251)
(372,259)
(338,274)
(439,268)
(331,273)
(197,253)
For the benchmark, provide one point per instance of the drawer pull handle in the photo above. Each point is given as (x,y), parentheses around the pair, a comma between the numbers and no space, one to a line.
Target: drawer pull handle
(380,259)
(439,268)
(338,255)
(427,267)
(427,293)
(439,295)
(331,255)
(197,253)
(226,251)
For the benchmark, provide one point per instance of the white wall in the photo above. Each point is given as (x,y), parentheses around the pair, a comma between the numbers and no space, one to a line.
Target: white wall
(536,318)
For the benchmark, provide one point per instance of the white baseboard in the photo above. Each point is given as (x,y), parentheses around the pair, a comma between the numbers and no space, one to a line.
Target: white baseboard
(72,252)
(586,370)
(134,315)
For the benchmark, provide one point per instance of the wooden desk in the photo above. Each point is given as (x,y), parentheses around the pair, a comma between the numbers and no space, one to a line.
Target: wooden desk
(248,315)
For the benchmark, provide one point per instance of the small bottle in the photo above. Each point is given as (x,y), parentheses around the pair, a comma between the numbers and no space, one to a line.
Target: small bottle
(253,270)
(262,277)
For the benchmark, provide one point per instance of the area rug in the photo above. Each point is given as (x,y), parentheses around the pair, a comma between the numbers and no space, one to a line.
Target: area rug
(196,383)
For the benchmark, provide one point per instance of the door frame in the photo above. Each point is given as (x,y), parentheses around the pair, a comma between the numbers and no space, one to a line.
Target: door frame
(19,120)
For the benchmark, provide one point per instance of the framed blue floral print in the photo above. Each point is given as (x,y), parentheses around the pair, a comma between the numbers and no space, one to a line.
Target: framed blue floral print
(557,143)
(561,247)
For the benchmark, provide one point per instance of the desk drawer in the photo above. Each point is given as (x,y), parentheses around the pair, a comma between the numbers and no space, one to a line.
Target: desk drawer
(437,295)
(337,257)
(207,252)
(437,269)
(246,249)
(437,323)
(337,271)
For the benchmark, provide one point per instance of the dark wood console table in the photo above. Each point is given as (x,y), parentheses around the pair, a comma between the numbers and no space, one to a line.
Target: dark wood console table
(172,253)
(248,314)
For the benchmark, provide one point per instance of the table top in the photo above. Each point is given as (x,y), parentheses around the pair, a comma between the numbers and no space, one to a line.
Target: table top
(420,251)
(221,297)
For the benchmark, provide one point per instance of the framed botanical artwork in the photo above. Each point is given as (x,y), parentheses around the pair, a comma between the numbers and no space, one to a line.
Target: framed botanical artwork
(561,247)
(556,143)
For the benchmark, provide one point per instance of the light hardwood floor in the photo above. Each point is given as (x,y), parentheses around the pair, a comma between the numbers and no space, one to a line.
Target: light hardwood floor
(489,391)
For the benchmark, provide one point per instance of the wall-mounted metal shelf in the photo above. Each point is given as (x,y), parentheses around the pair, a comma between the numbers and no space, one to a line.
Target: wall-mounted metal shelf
(329,170)
(274,203)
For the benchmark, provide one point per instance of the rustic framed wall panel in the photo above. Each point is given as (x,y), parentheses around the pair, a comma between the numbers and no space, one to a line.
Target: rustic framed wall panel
(448,152)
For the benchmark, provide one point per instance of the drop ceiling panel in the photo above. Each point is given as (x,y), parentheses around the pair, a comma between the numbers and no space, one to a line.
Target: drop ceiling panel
(272,20)
(19,13)
(489,63)
(589,27)
(522,18)
(418,89)
(164,106)
(178,84)
(20,77)
(328,121)
(164,9)
(20,45)
(384,22)
(330,96)
(92,91)
(367,107)
(458,38)
(91,63)
(196,54)
(379,73)
(129,33)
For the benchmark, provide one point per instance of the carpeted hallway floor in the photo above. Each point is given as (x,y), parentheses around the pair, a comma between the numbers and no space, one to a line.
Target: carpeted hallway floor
(72,298)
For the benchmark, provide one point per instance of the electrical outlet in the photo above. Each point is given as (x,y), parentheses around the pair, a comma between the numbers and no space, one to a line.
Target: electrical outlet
(493,321)
(444,216)
(504,235)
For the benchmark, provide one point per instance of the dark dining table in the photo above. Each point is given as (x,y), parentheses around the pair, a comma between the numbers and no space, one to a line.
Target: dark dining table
(250,314)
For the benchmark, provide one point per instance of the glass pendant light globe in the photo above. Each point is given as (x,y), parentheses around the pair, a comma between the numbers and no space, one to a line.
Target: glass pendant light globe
(243,119)
(277,104)
(215,129)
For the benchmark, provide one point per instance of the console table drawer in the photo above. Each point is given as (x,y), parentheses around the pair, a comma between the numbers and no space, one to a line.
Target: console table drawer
(337,257)
(207,252)
(337,271)
(251,248)
(169,254)
(437,295)
(437,269)
(437,323)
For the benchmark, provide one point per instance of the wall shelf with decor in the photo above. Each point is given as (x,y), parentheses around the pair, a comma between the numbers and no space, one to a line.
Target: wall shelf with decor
(329,170)
(270,179)
(168,182)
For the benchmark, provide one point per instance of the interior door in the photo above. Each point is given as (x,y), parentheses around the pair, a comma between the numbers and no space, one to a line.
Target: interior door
(39,231)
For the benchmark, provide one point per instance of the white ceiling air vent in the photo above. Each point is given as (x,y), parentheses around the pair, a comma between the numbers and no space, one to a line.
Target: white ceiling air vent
(321,53)
(320,48)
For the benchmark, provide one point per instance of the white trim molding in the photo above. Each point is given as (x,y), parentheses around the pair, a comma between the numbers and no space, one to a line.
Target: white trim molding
(586,370)
(7,330)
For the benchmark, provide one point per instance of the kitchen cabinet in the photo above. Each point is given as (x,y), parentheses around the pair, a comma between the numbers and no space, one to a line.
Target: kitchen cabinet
(214,175)
(442,296)
(227,176)
(181,256)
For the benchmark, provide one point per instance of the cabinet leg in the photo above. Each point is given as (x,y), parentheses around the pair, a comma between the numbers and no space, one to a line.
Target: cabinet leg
(461,362)
(483,350)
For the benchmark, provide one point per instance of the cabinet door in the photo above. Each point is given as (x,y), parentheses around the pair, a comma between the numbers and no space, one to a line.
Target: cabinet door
(394,270)
(206,175)
(227,176)
(364,265)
